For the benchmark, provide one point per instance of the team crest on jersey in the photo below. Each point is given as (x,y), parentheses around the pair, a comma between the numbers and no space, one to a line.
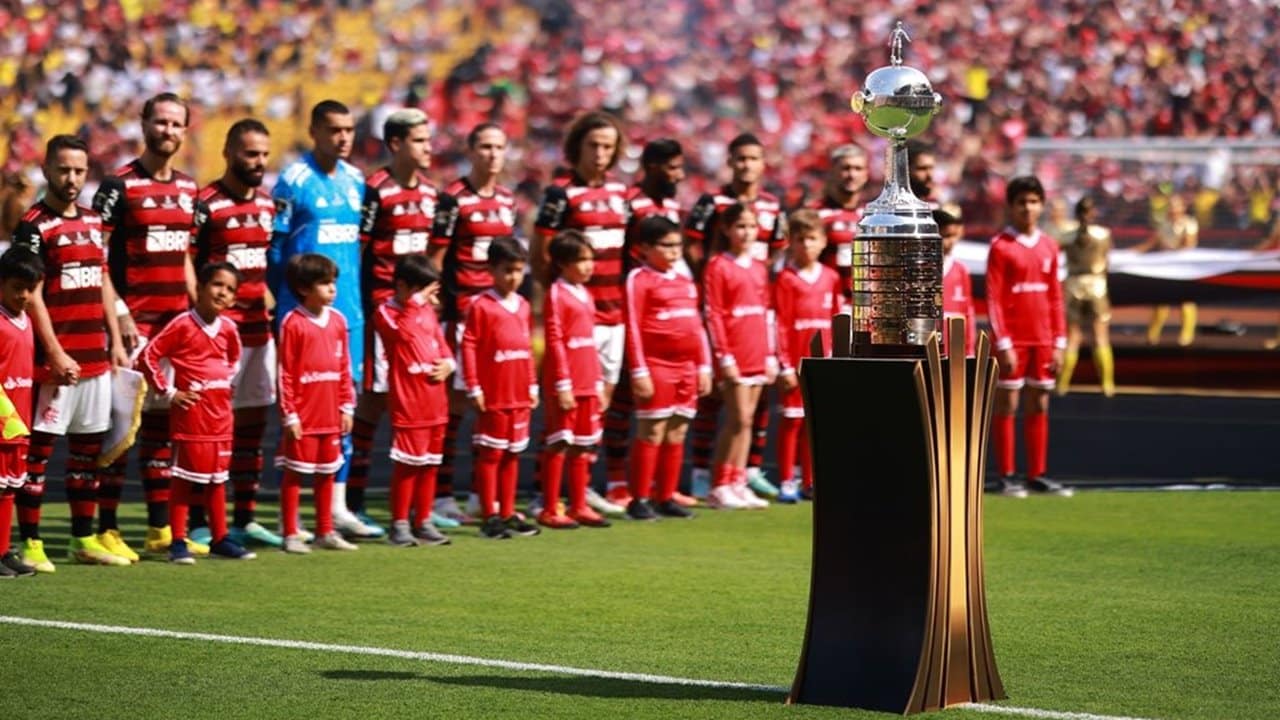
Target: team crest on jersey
(426,206)
(95,237)
(839,226)
(1044,265)
(617,204)
(264,219)
(506,216)
(185,202)
(767,220)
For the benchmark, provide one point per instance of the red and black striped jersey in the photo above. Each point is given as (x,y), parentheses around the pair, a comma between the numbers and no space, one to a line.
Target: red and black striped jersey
(394,221)
(601,213)
(701,225)
(641,207)
(841,226)
(466,223)
(74,257)
(151,226)
(238,230)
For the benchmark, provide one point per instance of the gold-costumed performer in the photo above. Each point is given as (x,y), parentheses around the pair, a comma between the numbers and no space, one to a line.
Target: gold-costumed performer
(1178,231)
(1085,290)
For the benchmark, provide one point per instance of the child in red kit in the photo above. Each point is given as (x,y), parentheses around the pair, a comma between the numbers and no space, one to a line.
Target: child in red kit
(497,359)
(20,274)
(317,398)
(1024,304)
(670,365)
(806,294)
(203,349)
(572,377)
(957,286)
(419,364)
(736,285)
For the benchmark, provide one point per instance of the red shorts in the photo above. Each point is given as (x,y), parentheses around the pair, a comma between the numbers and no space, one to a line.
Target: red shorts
(418,446)
(791,402)
(675,391)
(503,429)
(1034,367)
(312,455)
(13,465)
(579,426)
(201,461)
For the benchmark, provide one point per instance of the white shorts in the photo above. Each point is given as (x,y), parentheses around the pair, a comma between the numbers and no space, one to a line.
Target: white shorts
(76,409)
(459,380)
(255,382)
(380,368)
(610,343)
(154,402)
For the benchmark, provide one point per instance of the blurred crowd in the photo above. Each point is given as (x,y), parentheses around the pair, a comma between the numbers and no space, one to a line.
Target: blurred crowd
(696,70)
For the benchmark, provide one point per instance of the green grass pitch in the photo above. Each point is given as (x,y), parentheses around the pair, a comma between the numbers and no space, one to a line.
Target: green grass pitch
(1151,605)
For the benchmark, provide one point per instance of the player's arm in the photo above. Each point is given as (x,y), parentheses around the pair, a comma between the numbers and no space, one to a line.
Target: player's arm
(63,369)
(970,311)
(279,250)
(716,287)
(784,320)
(369,214)
(533,371)
(111,306)
(697,232)
(443,227)
(1191,234)
(346,385)
(470,340)
(158,348)
(556,355)
(286,382)
(704,364)
(445,366)
(550,220)
(1057,310)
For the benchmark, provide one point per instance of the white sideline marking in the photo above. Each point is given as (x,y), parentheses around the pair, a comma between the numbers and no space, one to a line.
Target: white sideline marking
(449,659)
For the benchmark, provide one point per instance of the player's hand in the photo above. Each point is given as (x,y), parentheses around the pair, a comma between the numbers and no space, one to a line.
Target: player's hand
(770,371)
(533,401)
(64,370)
(1008,358)
(642,387)
(294,430)
(704,384)
(789,382)
(477,402)
(345,424)
(1057,361)
(729,374)
(119,358)
(565,399)
(431,295)
(185,399)
(128,333)
(440,371)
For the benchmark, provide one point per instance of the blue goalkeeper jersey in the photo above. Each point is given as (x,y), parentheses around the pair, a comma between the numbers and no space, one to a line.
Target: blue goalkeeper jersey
(319,213)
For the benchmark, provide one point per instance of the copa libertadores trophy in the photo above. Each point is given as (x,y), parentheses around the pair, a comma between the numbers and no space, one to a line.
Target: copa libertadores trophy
(898,432)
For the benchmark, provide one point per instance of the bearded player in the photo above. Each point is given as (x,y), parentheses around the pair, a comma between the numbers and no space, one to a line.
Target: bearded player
(840,209)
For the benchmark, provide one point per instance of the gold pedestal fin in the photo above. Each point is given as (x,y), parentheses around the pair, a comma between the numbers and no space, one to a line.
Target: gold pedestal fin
(897,610)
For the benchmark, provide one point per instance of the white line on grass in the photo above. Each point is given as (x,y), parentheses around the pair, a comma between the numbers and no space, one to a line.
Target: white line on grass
(449,659)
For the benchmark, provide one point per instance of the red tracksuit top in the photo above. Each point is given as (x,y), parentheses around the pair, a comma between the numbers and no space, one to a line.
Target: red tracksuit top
(1024,296)
(663,321)
(414,343)
(805,302)
(16,366)
(315,371)
(571,362)
(204,358)
(957,301)
(497,355)
(737,290)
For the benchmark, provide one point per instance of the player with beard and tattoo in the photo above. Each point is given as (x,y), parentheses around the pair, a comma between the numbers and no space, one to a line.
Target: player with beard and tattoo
(840,209)
(148,211)
(654,195)
(77,343)
(234,217)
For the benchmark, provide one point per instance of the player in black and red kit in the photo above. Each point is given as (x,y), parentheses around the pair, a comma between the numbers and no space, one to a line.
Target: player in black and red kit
(746,160)
(148,209)
(77,343)
(234,218)
(396,220)
(654,195)
(473,211)
(840,209)
(590,201)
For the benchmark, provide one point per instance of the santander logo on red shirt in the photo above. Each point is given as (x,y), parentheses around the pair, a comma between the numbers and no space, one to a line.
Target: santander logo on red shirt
(509,355)
(320,376)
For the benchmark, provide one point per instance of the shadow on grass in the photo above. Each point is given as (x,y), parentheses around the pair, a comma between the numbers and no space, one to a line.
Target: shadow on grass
(570,685)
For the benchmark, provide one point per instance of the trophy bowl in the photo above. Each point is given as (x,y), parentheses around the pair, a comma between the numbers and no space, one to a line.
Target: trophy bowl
(897,102)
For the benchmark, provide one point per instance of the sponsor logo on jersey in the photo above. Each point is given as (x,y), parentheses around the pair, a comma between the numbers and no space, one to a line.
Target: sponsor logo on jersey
(199,386)
(802,324)
(406,242)
(76,277)
(13,383)
(676,314)
(160,240)
(320,376)
(511,355)
(335,234)
(1030,287)
(575,343)
(245,257)
(747,310)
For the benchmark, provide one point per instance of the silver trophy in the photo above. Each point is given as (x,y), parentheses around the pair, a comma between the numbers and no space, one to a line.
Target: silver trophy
(897,254)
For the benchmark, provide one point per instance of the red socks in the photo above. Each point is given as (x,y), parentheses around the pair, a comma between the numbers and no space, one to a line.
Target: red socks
(806,459)
(644,465)
(1035,430)
(179,500)
(215,507)
(579,478)
(1002,443)
(323,491)
(290,500)
(508,475)
(6,519)
(725,475)
(403,482)
(485,480)
(424,493)
(670,458)
(552,473)
(788,438)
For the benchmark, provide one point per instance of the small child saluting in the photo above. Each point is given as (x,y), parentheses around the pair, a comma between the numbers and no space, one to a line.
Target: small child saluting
(497,360)
(203,349)
(670,364)
(420,362)
(20,274)
(317,398)
(572,377)
(806,295)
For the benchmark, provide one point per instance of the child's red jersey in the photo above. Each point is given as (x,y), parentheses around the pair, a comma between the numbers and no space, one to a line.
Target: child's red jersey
(315,371)
(664,321)
(497,355)
(571,362)
(805,300)
(737,294)
(415,345)
(203,357)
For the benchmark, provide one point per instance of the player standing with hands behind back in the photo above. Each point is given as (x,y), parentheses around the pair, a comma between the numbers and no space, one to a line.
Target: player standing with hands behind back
(1024,304)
